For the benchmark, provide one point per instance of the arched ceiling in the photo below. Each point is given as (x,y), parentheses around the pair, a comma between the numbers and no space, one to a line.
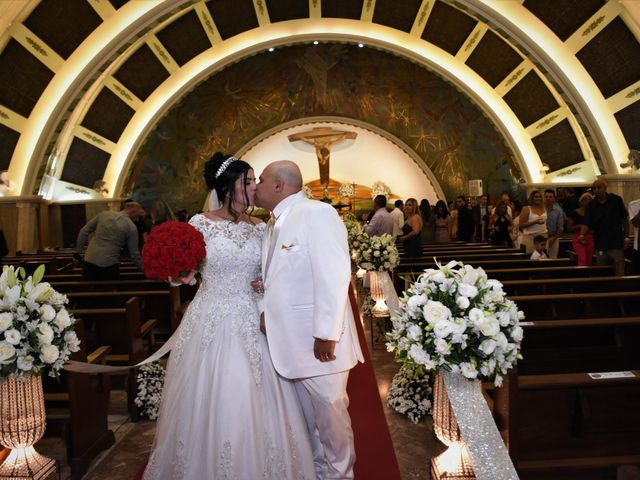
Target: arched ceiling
(83,81)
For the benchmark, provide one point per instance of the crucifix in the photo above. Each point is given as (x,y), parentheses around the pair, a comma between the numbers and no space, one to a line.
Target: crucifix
(323,138)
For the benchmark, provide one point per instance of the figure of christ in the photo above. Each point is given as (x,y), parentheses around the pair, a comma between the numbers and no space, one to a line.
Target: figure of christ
(323,138)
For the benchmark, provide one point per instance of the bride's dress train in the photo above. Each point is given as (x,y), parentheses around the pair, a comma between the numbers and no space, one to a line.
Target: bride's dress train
(226,414)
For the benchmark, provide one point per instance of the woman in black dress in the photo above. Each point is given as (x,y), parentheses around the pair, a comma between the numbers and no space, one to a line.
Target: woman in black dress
(500,226)
(411,229)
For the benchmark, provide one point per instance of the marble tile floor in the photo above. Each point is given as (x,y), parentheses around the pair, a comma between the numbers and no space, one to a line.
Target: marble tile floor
(414,444)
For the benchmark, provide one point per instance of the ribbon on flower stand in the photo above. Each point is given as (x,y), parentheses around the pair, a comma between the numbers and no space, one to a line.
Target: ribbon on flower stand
(488,453)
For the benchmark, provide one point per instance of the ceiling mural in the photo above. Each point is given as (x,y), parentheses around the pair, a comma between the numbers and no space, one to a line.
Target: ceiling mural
(455,140)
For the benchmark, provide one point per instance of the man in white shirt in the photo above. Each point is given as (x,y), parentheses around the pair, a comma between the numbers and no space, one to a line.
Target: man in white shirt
(381,222)
(398,218)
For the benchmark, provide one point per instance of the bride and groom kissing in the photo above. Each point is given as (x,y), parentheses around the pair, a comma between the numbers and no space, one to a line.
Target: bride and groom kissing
(256,383)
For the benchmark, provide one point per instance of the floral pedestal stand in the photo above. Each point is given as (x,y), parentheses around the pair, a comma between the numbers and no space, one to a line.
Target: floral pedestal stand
(379,312)
(455,462)
(22,424)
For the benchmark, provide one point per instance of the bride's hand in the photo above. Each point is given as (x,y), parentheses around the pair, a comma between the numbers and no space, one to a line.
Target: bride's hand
(187,280)
(257,285)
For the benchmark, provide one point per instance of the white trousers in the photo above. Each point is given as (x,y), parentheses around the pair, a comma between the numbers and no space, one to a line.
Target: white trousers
(324,402)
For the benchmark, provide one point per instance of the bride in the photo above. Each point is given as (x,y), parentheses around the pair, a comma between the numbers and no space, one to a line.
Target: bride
(225,412)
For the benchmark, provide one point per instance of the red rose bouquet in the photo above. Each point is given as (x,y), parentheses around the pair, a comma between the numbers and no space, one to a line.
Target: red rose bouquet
(172,249)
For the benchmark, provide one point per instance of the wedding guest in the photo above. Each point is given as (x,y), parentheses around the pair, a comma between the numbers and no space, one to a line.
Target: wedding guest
(398,218)
(506,199)
(500,226)
(427,221)
(442,224)
(575,220)
(533,220)
(466,225)
(481,217)
(4,248)
(113,232)
(555,223)
(539,245)
(381,222)
(411,230)
(607,217)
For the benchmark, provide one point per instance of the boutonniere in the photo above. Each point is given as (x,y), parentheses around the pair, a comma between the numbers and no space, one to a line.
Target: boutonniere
(288,246)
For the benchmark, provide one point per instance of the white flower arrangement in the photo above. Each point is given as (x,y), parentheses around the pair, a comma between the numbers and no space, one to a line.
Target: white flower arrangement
(380,188)
(354,229)
(306,189)
(410,393)
(150,384)
(377,253)
(456,319)
(36,330)
(345,190)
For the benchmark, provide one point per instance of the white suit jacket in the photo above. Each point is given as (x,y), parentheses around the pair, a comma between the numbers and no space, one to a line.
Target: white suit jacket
(306,290)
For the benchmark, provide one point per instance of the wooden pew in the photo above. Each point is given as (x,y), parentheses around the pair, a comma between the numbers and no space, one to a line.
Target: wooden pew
(159,305)
(77,276)
(573,285)
(77,409)
(121,329)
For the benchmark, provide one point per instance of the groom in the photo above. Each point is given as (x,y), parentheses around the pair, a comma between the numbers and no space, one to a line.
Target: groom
(311,331)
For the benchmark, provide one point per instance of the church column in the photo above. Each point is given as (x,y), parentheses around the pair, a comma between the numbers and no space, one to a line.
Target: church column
(27,229)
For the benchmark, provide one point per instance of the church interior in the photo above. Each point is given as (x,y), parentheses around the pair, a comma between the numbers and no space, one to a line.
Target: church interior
(103,101)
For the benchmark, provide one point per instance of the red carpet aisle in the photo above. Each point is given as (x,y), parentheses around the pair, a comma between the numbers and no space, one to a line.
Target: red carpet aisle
(376,459)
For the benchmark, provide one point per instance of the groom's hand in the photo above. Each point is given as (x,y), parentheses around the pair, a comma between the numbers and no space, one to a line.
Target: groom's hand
(323,350)
(263,328)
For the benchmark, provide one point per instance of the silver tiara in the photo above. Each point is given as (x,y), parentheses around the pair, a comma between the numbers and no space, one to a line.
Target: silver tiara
(224,165)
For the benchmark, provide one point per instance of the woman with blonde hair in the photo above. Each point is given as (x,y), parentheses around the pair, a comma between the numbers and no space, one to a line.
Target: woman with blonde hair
(533,220)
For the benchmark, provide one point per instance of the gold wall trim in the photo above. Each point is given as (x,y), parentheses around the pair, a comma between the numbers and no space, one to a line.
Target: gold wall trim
(123,92)
(471,42)
(547,122)
(162,53)
(261,12)
(625,97)
(422,17)
(208,23)
(11,119)
(93,138)
(368,6)
(102,8)
(37,47)
(315,9)
(593,25)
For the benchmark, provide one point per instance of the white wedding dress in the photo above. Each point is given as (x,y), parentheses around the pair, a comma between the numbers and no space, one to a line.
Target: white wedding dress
(226,413)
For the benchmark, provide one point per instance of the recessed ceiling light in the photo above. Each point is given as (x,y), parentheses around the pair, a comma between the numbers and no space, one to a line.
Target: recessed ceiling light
(316,42)
(271,49)
(361,45)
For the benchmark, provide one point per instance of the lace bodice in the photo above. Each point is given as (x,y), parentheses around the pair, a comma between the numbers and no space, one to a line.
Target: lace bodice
(233,255)
(225,295)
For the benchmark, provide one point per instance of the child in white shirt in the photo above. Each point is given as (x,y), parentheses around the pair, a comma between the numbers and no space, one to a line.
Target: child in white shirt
(539,245)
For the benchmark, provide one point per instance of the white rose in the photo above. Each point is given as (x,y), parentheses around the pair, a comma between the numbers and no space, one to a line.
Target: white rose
(458,325)
(414,332)
(459,338)
(62,320)
(467,290)
(501,340)
(47,313)
(416,301)
(488,346)
(72,341)
(443,347)
(12,336)
(6,320)
(49,354)
(462,302)
(470,275)
(45,334)
(442,328)
(517,333)
(468,370)
(504,318)
(25,363)
(57,298)
(476,316)
(7,352)
(419,355)
(489,326)
(434,312)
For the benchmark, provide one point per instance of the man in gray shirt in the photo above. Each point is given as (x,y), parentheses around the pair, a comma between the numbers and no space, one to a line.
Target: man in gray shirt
(113,232)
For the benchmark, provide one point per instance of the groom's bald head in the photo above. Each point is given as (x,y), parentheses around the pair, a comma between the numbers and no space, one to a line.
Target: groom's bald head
(278,181)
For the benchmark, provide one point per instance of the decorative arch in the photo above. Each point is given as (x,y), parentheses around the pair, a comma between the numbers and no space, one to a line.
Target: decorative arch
(593,115)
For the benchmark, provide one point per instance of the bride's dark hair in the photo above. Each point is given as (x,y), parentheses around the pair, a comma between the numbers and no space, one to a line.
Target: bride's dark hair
(224,181)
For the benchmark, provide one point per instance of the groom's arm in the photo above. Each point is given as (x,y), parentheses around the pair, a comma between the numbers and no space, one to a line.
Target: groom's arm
(331,272)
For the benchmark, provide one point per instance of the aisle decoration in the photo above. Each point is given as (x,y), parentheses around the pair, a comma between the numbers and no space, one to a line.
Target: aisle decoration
(378,255)
(457,322)
(410,393)
(172,250)
(150,381)
(36,336)
(380,188)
